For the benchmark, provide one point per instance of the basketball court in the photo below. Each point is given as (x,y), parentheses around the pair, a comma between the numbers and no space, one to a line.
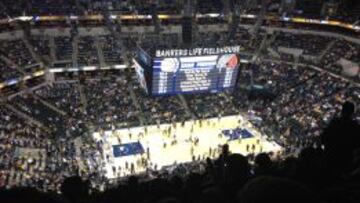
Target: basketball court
(157,142)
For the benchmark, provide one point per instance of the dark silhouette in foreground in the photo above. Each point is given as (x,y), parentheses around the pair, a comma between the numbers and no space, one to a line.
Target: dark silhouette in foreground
(340,139)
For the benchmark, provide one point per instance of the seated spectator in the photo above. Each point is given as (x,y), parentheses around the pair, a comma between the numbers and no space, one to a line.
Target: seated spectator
(279,190)
(340,139)
(263,165)
(75,189)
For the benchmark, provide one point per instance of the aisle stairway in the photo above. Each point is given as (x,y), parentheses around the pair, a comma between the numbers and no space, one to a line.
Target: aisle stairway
(10,63)
(100,52)
(52,49)
(75,45)
(26,117)
(184,103)
(328,47)
(82,96)
(78,143)
(51,106)
(31,49)
(137,105)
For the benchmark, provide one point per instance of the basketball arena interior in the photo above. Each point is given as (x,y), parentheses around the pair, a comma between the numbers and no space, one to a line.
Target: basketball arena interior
(179,101)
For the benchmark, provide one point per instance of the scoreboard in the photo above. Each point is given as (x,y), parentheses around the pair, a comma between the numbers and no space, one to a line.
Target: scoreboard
(212,73)
(185,71)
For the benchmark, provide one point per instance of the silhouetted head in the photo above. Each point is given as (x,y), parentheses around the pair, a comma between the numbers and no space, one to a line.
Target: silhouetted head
(177,182)
(225,149)
(237,167)
(289,166)
(133,181)
(74,188)
(348,109)
(263,160)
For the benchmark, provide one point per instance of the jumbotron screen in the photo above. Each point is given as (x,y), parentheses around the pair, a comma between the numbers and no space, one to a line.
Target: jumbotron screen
(210,73)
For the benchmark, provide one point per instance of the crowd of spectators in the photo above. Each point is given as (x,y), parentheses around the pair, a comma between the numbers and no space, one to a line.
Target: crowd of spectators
(8,72)
(210,105)
(294,89)
(109,103)
(210,6)
(38,110)
(41,46)
(160,110)
(305,99)
(314,176)
(297,104)
(30,157)
(88,54)
(17,52)
(64,48)
(340,50)
(52,7)
(65,97)
(310,44)
(244,38)
(111,50)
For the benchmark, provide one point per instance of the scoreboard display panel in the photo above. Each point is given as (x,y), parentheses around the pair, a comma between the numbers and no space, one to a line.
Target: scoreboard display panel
(193,74)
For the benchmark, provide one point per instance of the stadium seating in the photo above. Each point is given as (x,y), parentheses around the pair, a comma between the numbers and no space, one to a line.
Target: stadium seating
(48,111)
